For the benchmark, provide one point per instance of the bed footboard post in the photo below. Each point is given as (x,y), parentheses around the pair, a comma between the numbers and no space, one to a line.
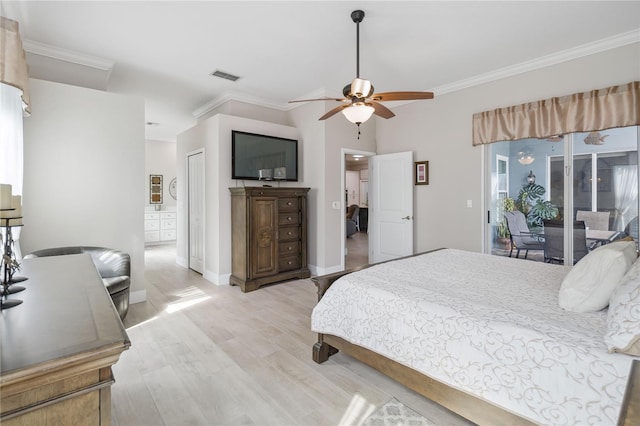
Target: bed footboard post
(322,351)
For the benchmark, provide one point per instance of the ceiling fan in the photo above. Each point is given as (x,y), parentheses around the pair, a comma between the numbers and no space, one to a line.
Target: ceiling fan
(359,101)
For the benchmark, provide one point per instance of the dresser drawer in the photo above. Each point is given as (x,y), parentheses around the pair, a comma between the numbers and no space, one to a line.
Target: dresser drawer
(288,263)
(168,224)
(288,204)
(152,236)
(168,215)
(292,218)
(151,225)
(288,233)
(151,216)
(167,235)
(289,248)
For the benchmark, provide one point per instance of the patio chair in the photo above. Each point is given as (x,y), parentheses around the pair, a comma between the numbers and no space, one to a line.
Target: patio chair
(521,237)
(594,220)
(554,241)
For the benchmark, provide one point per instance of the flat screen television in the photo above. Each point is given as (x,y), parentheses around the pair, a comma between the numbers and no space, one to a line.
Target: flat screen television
(262,157)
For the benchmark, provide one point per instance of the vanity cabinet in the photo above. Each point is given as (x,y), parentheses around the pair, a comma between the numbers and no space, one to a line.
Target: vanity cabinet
(269,235)
(159,226)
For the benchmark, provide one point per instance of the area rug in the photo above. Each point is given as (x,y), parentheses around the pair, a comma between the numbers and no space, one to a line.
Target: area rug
(394,413)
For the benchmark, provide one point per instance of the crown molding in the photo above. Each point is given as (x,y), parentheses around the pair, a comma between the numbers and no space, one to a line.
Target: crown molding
(239,97)
(41,49)
(608,43)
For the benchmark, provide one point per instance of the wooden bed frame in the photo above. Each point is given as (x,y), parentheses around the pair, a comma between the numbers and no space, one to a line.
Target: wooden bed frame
(468,406)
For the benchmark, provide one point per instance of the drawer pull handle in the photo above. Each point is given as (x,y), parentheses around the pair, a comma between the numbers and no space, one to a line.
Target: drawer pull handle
(289,203)
(290,262)
(289,233)
(289,218)
(290,248)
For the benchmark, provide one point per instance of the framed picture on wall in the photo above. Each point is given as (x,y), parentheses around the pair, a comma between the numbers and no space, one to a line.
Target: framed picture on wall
(421,173)
(155,189)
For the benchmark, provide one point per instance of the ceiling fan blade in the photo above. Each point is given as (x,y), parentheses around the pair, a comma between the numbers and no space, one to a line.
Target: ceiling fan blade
(401,96)
(318,99)
(334,111)
(381,110)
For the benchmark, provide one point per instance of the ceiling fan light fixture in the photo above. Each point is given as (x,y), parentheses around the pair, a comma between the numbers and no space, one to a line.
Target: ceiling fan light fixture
(525,157)
(358,113)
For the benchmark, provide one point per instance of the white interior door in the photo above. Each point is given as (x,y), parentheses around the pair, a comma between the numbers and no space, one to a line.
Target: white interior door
(195,170)
(391,210)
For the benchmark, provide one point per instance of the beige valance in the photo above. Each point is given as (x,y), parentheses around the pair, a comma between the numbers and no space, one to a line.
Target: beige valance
(616,106)
(13,63)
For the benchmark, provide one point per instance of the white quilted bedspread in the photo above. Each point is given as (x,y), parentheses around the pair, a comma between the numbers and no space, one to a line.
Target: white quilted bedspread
(487,325)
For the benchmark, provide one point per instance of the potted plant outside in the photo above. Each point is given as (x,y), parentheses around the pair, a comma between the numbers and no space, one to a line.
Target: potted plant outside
(503,237)
(531,203)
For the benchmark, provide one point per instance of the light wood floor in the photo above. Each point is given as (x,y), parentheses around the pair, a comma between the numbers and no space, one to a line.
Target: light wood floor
(211,355)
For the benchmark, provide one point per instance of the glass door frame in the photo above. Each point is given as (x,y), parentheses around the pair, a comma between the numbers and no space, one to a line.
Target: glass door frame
(487,188)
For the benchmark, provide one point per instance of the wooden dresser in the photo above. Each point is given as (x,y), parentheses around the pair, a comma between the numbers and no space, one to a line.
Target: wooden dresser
(58,346)
(269,235)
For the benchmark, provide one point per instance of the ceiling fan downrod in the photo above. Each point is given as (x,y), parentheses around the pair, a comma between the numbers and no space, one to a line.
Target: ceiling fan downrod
(357,16)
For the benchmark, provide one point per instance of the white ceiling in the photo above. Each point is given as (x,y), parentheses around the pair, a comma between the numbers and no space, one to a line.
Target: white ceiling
(164,51)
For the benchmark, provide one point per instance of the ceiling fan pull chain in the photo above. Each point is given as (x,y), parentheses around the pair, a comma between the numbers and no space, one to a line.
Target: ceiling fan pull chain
(358,124)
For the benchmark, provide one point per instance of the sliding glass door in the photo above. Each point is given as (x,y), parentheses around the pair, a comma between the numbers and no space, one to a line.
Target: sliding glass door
(586,182)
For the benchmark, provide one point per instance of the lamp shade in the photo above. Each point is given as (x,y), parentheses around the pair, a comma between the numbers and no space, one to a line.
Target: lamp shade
(13,63)
(358,113)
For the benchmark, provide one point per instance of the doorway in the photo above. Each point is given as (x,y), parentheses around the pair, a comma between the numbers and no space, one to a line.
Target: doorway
(355,187)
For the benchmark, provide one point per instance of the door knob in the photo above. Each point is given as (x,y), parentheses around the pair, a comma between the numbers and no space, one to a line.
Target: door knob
(407,218)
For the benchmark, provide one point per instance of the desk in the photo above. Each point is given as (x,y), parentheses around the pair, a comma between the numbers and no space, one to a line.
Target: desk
(599,236)
(59,345)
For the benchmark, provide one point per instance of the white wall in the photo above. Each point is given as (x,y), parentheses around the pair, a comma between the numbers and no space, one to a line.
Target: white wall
(83,173)
(440,131)
(160,159)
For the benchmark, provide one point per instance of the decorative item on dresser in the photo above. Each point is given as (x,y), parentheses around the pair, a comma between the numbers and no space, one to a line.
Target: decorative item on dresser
(269,235)
(159,226)
(10,216)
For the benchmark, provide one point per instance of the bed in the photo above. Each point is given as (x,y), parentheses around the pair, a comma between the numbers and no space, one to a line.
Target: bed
(482,335)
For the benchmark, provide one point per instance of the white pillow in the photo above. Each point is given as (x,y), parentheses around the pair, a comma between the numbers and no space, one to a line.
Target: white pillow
(623,318)
(590,283)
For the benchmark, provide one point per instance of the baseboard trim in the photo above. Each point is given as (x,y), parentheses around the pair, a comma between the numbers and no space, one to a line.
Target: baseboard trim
(217,279)
(317,271)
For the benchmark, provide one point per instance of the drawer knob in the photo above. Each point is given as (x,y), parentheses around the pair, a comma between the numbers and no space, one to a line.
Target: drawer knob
(290,262)
(289,218)
(289,203)
(290,248)
(289,233)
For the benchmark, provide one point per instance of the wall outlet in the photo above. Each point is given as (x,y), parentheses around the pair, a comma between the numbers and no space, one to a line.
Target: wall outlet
(469,204)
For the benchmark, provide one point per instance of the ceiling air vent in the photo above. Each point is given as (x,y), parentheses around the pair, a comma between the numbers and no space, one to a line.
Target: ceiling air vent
(225,75)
